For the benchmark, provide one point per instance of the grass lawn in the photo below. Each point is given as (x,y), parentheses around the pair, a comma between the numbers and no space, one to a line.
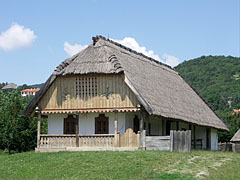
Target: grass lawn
(121,165)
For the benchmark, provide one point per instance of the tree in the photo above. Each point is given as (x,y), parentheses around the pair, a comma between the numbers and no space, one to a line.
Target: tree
(17,133)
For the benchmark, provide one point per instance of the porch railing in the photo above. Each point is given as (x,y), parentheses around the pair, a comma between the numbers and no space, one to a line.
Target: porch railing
(70,140)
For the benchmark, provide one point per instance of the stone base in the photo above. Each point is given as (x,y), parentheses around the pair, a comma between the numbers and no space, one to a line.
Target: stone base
(71,149)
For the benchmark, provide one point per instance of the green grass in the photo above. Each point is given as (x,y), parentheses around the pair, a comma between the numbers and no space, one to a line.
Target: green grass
(121,165)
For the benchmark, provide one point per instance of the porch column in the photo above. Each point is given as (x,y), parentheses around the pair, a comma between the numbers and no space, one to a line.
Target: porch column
(116,134)
(142,131)
(163,126)
(38,126)
(194,136)
(116,122)
(141,120)
(177,125)
(77,130)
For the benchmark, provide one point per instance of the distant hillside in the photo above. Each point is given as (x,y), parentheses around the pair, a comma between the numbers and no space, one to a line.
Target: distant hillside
(37,85)
(217,79)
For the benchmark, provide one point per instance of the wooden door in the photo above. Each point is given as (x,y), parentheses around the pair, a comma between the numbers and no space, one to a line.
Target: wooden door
(101,124)
(208,138)
(70,125)
(168,128)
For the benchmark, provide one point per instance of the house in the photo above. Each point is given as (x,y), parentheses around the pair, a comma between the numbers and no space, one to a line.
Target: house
(9,87)
(235,112)
(236,142)
(109,95)
(28,92)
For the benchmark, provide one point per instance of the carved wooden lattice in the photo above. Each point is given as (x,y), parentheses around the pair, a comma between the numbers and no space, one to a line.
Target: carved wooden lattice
(86,86)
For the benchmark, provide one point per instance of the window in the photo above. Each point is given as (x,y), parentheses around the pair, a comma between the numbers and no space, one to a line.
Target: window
(101,124)
(70,125)
(86,86)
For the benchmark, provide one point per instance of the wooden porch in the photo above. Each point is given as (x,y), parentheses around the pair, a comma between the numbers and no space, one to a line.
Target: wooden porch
(82,142)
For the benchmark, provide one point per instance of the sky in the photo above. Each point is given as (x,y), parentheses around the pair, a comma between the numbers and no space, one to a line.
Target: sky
(37,36)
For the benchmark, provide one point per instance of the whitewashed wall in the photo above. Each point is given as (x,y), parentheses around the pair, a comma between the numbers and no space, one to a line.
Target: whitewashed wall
(86,123)
(55,123)
(125,121)
(129,120)
(214,139)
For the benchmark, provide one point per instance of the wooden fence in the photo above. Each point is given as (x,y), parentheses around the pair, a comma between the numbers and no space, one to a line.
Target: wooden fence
(161,143)
(69,140)
(129,139)
(228,146)
(180,141)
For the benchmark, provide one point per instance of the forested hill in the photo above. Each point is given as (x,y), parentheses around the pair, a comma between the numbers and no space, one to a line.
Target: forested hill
(217,79)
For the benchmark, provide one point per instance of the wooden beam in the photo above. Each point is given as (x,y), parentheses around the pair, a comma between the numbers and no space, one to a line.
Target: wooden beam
(177,124)
(116,134)
(38,129)
(141,120)
(194,136)
(163,126)
(77,130)
(116,122)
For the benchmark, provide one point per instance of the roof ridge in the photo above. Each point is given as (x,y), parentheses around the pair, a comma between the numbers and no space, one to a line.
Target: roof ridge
(96,38)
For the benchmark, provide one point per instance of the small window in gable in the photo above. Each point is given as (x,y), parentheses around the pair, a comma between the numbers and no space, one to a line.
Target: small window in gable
(86,86)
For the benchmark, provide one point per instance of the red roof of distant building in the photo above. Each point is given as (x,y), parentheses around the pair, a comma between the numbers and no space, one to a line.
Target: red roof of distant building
(31,90)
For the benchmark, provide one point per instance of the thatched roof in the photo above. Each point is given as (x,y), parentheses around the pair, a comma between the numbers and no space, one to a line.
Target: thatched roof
(158,87)
(236,137)
(10,86)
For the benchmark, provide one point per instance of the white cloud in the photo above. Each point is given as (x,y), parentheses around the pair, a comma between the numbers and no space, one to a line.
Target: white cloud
(16,37)
(171,60)
(133,44)
(73,49)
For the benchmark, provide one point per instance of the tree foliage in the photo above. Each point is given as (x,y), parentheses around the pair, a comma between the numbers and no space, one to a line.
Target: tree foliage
(217,79)
(17,133)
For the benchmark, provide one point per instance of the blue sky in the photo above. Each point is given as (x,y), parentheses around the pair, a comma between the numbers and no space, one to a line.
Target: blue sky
(36,36)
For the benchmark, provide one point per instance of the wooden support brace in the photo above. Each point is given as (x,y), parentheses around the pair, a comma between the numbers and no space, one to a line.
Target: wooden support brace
(116,134)
(77,130)
(38,129)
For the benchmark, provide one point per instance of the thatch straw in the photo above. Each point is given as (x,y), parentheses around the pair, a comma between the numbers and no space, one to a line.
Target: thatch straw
(160,86)
(236,137)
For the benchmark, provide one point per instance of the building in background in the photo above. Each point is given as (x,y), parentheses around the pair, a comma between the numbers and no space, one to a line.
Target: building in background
(28,92)
(9,87)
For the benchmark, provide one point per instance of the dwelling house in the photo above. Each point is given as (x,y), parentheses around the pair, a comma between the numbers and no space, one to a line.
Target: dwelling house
(9,87)
(108,90)
(29,92)
(236,142)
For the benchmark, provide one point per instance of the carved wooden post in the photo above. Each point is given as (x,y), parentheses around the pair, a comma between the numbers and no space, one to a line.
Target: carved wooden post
(163,126)
(141,120)
(77,130)
(116,122)
(38,111)
(142,131)
(116,134)
(194,136)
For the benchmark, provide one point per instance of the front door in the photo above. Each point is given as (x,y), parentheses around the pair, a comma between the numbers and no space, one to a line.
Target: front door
(70,125)
(101,124)
(208,139)
(168,128)
(136,124)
